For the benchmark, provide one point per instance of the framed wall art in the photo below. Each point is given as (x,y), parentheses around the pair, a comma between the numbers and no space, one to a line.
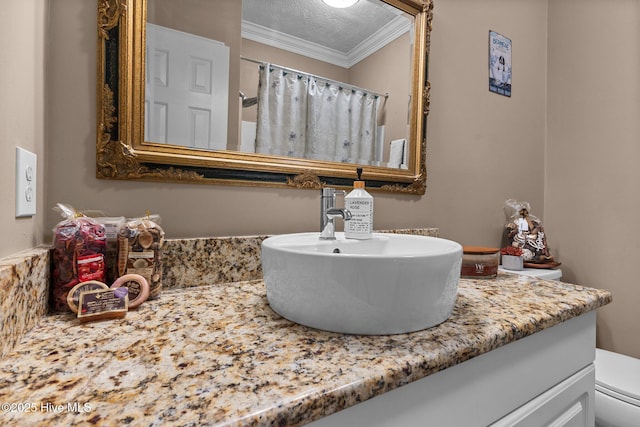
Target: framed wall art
(499,64)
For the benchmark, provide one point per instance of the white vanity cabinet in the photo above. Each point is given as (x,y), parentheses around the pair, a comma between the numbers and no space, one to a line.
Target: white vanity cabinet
(547,378)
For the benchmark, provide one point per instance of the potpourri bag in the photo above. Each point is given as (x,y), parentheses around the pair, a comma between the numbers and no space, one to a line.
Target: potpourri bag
(140,252)
(79,252)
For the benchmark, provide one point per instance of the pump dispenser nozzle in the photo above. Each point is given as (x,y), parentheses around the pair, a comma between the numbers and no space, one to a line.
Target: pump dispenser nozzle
(359,183)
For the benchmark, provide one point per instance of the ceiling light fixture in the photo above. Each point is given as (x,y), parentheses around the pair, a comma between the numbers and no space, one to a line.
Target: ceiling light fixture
(340,3)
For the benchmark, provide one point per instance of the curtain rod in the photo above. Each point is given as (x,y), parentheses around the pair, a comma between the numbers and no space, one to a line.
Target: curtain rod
(291,70)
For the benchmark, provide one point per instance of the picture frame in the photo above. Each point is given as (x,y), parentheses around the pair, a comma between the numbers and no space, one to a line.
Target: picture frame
(499,64)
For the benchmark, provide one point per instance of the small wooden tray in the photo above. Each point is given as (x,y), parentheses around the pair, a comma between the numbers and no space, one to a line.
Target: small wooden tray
(542,265)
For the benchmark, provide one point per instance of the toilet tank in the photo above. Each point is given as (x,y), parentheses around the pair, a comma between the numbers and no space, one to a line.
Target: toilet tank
(538,273)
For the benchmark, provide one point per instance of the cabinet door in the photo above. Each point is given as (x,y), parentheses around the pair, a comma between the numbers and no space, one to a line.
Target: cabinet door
(570,404)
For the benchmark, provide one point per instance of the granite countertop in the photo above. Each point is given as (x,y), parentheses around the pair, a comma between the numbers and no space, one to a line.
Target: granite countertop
(218,355)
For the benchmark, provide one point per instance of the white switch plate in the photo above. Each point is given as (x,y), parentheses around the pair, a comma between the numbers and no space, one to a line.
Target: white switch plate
(26,166)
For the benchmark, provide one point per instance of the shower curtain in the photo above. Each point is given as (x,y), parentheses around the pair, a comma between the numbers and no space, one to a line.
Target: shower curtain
(304,116)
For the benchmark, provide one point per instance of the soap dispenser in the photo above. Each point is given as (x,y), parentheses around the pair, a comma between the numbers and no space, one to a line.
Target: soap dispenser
(360,203)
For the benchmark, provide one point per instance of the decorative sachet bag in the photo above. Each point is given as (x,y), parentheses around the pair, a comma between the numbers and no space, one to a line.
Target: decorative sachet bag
(140,252)
(525,231)
(79,251)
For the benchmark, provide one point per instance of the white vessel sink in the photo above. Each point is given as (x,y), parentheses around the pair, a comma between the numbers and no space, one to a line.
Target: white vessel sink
(390,284)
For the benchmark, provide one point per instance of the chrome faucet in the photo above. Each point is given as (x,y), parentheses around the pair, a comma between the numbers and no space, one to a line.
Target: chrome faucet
(329,212)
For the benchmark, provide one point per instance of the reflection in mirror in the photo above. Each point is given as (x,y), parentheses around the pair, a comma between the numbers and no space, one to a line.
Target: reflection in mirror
(288,49)
(361,98)
(302,115)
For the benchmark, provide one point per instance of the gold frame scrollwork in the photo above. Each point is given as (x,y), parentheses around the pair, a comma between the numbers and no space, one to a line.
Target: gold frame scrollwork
(120,51)
(115,159)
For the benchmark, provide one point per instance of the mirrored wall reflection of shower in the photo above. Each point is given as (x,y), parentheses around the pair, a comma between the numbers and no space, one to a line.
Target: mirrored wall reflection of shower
(304,115)
(373,53)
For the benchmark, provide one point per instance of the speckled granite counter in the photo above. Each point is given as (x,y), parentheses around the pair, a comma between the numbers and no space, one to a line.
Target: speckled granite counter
(218,355)
(23,294)
(24,277)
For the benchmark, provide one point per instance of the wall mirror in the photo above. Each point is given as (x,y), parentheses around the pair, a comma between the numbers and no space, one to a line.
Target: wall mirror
(264,92)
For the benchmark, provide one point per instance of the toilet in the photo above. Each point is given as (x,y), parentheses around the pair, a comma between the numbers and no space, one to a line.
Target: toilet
(617,397)
(539,273)
(617,390)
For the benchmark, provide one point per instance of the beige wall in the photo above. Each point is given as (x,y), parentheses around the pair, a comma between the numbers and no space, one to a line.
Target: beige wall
(22,116)
(482,148)
(592,190)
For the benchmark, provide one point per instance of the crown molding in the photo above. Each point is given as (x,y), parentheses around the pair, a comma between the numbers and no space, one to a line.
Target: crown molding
(379,39)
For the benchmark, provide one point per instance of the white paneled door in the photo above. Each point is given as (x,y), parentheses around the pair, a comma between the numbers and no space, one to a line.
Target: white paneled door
(186,90)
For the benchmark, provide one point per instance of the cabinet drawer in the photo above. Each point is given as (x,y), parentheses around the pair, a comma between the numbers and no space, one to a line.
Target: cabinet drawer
(569,403)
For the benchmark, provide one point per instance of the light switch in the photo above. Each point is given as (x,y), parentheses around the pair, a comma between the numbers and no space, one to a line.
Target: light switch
(26,167)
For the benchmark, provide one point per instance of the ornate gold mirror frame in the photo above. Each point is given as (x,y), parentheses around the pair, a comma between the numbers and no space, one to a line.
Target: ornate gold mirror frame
(122,154)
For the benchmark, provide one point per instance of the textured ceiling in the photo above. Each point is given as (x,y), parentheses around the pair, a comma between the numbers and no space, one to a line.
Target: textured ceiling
(316,22)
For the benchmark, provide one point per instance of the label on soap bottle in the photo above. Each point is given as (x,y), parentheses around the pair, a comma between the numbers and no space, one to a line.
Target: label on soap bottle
(360,204)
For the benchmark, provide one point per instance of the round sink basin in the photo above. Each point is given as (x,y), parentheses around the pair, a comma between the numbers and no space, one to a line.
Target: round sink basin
(389,284)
